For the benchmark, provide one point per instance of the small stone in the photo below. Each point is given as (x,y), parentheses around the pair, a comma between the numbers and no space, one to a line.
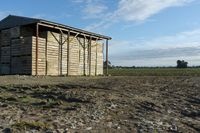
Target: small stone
(49,131)
(174,128)
(110,124)
(89,128)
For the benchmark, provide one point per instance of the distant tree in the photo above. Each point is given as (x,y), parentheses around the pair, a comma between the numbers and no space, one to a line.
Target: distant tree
(182,64)
(109,64)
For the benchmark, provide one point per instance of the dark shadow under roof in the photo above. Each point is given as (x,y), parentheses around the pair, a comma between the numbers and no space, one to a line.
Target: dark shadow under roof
(13,21)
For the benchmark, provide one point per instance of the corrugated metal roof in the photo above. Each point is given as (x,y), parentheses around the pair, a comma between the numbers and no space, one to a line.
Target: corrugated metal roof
(13,21)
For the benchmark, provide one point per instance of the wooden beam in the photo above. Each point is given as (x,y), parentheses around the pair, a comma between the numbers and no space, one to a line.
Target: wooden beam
(74,37)
(37,37)
(46,67)
(68,54)
(88,58)
(107,57)
(61,52)
(66,30)
(55,37)
(62,34)
(80,42)
(84,57)
(90,54)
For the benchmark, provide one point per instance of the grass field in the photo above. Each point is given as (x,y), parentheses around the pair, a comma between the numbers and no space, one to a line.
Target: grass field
(155,72)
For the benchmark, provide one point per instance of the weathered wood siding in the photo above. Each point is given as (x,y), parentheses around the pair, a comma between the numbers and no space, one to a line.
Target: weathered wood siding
(18,53)
(41,67)
(26,31)
(73,57)
(5,51)
(99,59)
(15,52)
(15,32)
(53,57)
(21,55)
(57,55)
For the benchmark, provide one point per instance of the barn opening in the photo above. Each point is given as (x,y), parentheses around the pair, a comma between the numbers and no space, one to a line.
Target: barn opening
(31,46)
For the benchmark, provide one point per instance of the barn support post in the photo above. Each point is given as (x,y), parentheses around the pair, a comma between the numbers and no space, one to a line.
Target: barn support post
(68,54)
(36,62)
(46,63)
(90,54)
(107,57)
(61,54)
(84,47)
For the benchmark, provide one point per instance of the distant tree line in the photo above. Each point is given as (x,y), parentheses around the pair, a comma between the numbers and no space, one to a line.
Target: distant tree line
(180,64)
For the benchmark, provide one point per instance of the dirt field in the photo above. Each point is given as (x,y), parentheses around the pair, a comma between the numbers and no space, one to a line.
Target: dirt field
(99,104)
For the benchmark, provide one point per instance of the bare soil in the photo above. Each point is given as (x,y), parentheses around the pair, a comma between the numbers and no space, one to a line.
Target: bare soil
(99,104)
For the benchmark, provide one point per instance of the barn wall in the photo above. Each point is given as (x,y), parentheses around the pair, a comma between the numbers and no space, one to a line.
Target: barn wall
(5,51)
(81,57)
(21,55)
(52,58)
(41,69)
(15,52)
(99,59)
(18,53)
(57,56)
(53,51)
(74,57)
(27,31)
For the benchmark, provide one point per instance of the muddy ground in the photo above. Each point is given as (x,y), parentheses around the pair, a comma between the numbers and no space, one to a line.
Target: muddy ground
(99,104)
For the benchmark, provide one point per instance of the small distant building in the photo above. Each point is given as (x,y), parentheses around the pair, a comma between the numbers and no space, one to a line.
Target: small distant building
(30,46)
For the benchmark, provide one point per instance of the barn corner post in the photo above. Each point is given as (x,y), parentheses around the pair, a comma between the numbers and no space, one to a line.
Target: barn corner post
(61,52)
(84,66)
(37,37)
(90,55)
(68,54)
(107,57)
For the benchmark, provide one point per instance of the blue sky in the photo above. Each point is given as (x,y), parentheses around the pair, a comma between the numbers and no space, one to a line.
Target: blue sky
(144,32)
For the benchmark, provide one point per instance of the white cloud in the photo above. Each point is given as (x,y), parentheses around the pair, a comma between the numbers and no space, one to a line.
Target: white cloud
(140,10)
(93,9)
(83,1)
(136,11)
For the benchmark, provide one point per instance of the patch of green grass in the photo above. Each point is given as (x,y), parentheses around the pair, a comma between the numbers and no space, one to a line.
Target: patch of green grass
(7,96)
(154,72)
(29,99)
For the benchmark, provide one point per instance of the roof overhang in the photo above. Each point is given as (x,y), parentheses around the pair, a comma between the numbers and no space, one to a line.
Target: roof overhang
(73,30)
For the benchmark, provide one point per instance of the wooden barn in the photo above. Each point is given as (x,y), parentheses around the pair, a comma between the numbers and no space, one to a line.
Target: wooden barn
(30,46)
